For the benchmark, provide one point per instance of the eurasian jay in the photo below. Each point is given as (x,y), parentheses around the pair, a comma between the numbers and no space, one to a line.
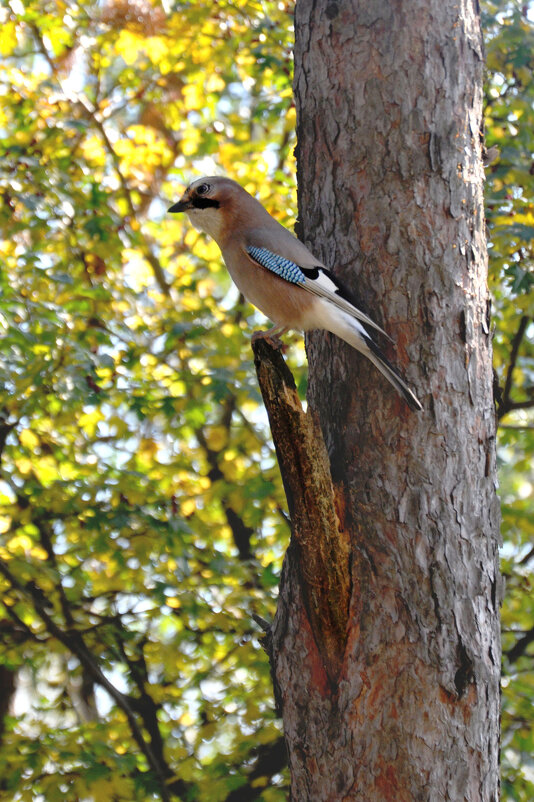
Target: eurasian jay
(278,274)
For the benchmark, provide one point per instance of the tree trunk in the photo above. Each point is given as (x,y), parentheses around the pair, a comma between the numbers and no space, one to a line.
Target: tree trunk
(389,102)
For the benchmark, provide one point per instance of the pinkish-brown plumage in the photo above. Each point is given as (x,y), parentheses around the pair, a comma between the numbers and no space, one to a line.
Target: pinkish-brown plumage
(283,279)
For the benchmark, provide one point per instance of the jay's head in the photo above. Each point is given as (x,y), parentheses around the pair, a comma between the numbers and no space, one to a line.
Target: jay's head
(210,203)
(221,208)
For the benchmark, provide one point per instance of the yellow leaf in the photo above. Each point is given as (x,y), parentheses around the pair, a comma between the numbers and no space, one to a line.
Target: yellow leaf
(188,507)
(138,273)
(8,38)
(191,302)
(93,151)
(38,553)
(190,142)
(291,117)
(149,361)
(191,236)
(208,250)
(215,83)
(19,543)
(24,466)
(205,288)
(193,97)
(129,45)
(217,438)
(46,469)
(156,48)
(89,421)
(5,524)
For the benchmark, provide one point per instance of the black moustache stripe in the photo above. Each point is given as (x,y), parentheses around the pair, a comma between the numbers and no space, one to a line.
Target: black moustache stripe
(205,203)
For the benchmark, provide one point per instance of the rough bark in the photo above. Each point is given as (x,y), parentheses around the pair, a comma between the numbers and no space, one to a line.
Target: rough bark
(320,544)
(389,100)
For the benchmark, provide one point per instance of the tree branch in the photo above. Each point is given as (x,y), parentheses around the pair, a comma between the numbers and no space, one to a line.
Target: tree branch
(45,536)
(74,642)
(528,556)
(5,429)
(271,759)
(323,548)
(520,646)
(144,704)
(506,404)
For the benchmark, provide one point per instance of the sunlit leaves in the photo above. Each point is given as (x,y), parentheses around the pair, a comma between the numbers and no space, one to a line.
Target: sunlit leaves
(510,213)
(140,505)
(141,513)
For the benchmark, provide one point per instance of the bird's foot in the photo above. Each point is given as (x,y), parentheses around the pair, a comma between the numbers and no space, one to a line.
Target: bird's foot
(271,336)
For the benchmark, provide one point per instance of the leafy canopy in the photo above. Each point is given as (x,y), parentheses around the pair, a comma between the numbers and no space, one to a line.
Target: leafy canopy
(141,510)
(509,30)
(141,513)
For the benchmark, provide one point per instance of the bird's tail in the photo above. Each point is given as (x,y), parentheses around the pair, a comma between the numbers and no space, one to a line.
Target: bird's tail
(385,367)
(354,333)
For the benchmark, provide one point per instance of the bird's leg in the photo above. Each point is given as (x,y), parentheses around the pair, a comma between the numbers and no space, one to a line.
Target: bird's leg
(272,336)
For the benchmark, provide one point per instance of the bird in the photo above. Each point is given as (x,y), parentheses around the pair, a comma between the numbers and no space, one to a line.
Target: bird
(278,274)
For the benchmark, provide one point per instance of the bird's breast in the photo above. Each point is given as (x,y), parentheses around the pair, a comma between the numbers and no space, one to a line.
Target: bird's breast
(284,303)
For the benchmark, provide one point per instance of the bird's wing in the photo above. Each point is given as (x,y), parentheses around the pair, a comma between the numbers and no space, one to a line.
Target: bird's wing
(292,261)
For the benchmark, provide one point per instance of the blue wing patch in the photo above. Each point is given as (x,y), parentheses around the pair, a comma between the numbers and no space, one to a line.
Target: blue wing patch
(284,268)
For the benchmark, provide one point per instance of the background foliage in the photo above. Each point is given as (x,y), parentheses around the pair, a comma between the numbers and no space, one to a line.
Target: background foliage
(142,519)
(509,32)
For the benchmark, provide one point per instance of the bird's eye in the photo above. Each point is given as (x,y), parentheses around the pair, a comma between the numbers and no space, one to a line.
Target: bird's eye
(202,189)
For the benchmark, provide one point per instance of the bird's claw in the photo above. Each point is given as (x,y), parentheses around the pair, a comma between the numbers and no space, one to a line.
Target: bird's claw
(269,336)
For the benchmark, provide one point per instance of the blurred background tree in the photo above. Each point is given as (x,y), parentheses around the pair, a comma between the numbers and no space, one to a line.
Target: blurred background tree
(509,32)
(142,518)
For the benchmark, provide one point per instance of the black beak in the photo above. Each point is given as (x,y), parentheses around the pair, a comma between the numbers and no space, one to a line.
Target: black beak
(181,206)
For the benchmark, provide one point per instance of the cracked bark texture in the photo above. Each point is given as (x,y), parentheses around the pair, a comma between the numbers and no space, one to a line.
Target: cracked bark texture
(389,104)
